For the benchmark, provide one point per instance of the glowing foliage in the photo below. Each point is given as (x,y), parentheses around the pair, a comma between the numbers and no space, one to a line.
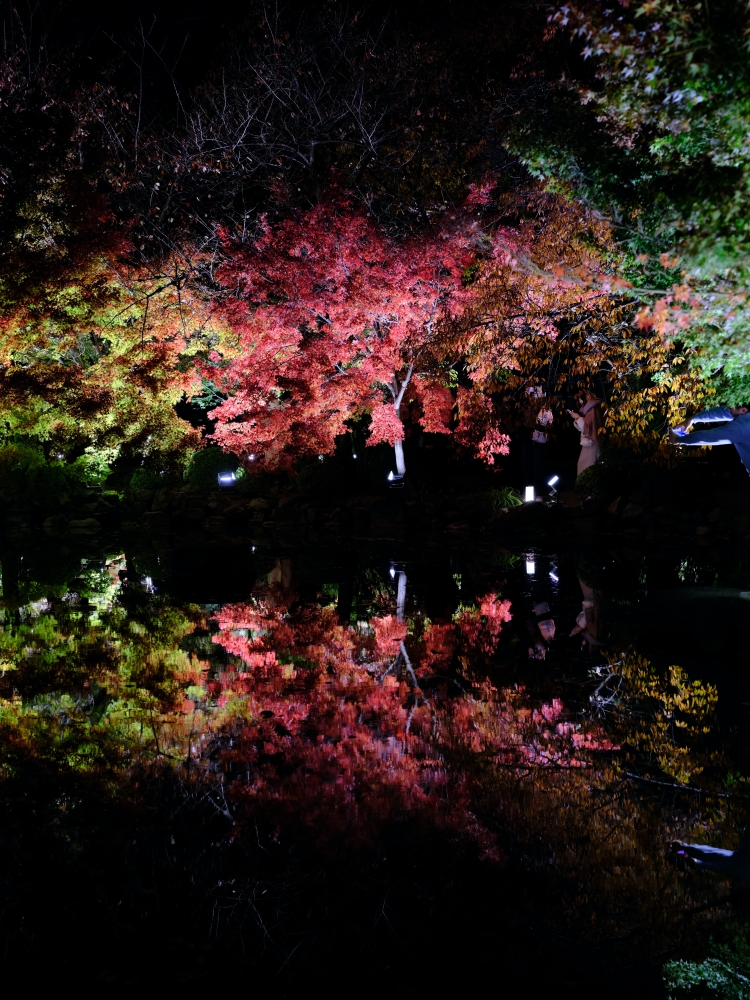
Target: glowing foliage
(547,310)
(653,135)
(333,734)
(334,320)
(482,626)
(660,715)
(95,350)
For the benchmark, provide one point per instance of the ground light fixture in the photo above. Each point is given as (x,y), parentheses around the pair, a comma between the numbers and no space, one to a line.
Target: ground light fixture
(552,483)
(396,481)
(227,479)
(528,494)
(530,566)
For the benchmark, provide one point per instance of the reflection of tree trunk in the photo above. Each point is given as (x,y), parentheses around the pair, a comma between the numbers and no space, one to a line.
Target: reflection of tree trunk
(402,657)
(588,623)
(281,573)
(407,664)
(401,596)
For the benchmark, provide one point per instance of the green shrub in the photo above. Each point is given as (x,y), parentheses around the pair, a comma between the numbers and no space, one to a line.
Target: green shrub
(504,497)
(19,459)
(725,975)
(145,479)
(592,482)
(255,484)
(93,467)
(52,482)
(610,476)
(24,471)
(321,478)
(206,465)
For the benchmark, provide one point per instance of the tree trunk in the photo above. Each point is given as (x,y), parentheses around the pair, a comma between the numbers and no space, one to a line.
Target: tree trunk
(401,596)
(398,395)
(398,447)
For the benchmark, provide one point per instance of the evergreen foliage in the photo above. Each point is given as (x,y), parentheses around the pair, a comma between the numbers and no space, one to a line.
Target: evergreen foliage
(725,975)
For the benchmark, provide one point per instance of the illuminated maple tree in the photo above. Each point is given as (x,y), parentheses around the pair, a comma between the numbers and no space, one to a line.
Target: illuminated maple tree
(335,320)
(97,347)
(548,309)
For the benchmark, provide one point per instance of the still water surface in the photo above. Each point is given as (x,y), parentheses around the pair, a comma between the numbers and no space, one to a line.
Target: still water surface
(232,757)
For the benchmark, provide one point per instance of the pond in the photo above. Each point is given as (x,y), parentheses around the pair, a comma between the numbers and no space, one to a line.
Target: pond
(448,760)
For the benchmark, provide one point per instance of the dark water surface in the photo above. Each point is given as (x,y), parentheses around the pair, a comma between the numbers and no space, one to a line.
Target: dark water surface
(379,765)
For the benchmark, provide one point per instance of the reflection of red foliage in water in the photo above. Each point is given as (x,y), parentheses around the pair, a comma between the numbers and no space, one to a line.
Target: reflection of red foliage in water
(389,632)
(322,732)
(439,645)
(482,626)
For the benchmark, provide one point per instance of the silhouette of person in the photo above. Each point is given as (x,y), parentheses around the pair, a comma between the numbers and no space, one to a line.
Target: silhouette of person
(735,430)
(733,864)
(588,422)
(537,417)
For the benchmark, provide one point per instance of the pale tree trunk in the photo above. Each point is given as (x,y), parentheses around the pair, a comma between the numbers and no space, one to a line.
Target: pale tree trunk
(398,447)
(397,391)
(402,657)
(401,596)
(400,615)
